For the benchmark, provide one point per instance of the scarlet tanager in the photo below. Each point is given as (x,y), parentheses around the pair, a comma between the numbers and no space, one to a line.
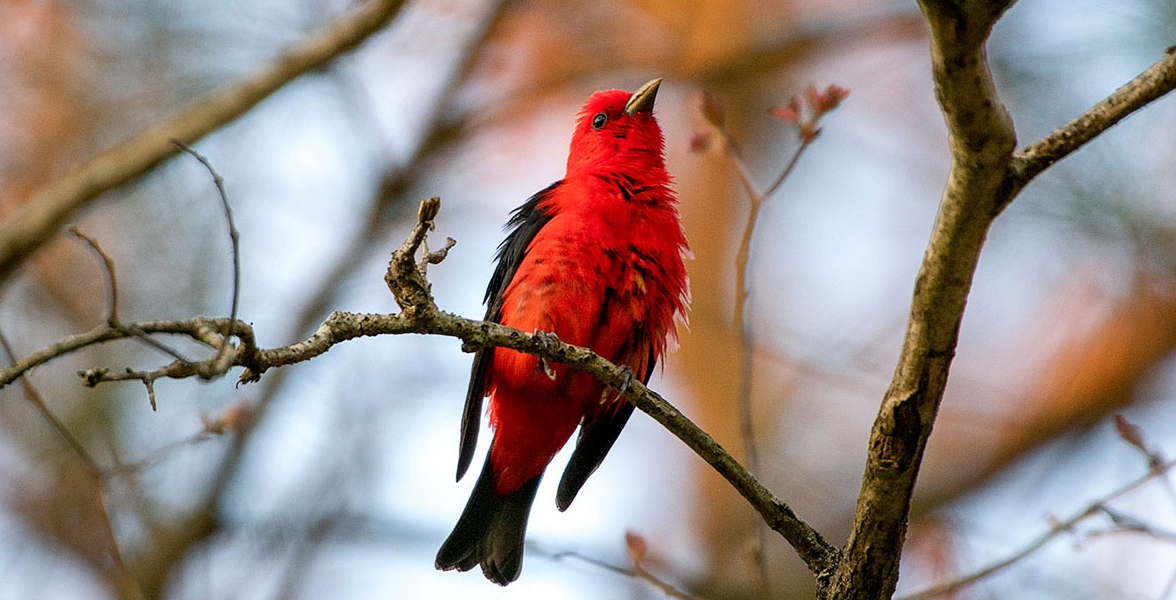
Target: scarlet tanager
(595,259)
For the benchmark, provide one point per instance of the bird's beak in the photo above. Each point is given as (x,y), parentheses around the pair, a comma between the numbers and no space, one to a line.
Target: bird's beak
(643,98)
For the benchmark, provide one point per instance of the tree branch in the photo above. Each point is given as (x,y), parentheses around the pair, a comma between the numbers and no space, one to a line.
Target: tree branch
(1057,528)
(985,176)
(420,314)
(48,208)
(982,142)
(122,577)
(1152,83)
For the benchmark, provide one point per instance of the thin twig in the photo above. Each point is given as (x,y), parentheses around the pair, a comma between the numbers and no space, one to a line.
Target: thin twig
(108,263)
(234,236)
(199,329)
(743,295)
(112,283)
(636,571)
(805,113)
(124,578)
(1099,506)
(746,355)
(43,213)
(223,361)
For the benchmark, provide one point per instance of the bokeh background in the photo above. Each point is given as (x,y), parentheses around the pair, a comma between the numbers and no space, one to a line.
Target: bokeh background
(337,479)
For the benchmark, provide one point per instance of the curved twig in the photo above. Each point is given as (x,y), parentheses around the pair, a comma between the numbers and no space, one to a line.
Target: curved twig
(45,212)
(1057,528)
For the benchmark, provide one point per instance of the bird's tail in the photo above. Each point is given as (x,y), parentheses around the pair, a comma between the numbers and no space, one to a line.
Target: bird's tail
(491,530)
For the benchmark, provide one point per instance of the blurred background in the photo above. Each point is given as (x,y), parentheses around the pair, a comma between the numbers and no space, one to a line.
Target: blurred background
(336,477)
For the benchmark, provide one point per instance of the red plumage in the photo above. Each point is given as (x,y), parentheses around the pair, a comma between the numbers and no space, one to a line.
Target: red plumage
(596,259)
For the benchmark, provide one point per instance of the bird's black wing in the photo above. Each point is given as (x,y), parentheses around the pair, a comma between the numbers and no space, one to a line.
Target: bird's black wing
(524,223)
(597,437)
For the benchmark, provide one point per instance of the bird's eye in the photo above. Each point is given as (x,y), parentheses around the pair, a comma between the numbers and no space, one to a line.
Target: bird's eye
(599,120)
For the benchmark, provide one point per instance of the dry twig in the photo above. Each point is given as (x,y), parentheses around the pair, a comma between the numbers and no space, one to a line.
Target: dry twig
(1157,469)
(636,546)
(48,208)
(805,112)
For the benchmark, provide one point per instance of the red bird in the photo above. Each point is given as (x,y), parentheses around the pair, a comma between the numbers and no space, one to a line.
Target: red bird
(595,259)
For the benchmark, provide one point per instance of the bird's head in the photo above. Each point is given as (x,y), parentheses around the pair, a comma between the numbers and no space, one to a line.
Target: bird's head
(616,130)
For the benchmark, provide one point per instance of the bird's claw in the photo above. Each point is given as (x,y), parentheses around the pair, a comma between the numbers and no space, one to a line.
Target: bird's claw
(548,340)
(628,376)
(547,370)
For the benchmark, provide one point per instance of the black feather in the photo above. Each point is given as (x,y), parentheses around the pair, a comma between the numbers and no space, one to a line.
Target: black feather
(597,437)
(491,530)
(524,223)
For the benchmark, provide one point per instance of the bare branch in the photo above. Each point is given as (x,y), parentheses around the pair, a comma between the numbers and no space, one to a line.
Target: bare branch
(1100,506)
(234,236)
(202,329)
(982,142)
(48,208)
(108,264)
(1156,81)
(805,113)
(124,578)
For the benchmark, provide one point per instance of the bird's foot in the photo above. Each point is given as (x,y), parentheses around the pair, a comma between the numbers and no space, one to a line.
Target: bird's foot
(548,340)
(628,376)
